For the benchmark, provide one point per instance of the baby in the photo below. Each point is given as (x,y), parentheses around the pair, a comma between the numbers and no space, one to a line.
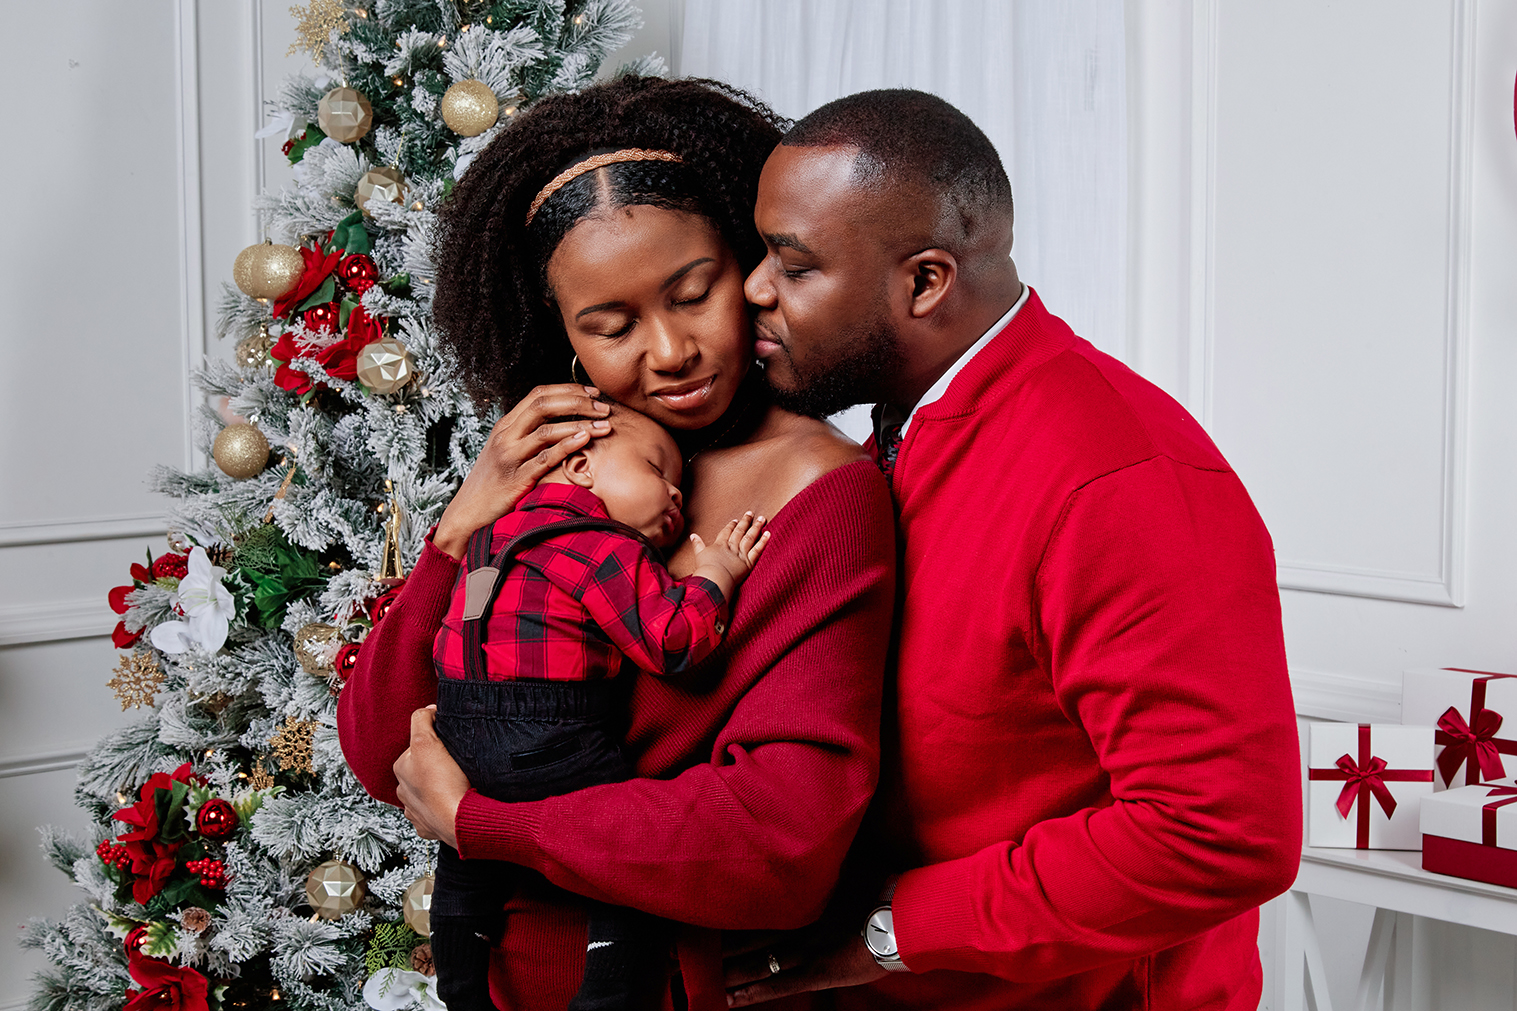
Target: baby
(555,599)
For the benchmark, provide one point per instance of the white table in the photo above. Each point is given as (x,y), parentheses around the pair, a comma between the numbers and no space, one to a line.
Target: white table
(1394,882)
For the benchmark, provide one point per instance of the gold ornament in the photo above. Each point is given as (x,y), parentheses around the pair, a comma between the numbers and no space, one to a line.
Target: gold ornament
(334,888)
(470,108)
(382,184)
(391,571)
(260,778)
(240,450)
(385,365)
(253,351)
(292,745)
(138,678)
(344,115)
(316,647)
(315,26)
(268,270)
(416,904)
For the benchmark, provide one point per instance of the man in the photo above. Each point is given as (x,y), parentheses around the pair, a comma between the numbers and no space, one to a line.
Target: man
(1091,778)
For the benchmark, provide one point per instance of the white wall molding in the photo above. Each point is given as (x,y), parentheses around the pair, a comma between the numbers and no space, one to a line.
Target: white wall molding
(96,528)
(1344,697)
(191,241)
(27,765)
(54,620)
(1445,586)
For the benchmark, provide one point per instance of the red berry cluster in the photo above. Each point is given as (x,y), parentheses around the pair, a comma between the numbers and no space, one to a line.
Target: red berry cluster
(212,873)
(114,854)
(171,566)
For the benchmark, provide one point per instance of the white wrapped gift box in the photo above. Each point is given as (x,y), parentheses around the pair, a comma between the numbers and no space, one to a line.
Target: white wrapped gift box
(1366,783)
(1471,832)
(1475,713)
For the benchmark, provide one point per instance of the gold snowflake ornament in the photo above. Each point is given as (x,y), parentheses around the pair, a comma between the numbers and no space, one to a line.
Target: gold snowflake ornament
(292,745)
(138,678)
(260,778)
(315,25)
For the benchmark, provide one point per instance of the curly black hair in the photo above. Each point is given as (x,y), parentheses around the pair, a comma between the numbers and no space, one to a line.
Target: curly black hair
(493,306)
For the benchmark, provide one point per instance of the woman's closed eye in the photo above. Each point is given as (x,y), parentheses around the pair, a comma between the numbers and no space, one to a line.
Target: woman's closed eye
(693,299)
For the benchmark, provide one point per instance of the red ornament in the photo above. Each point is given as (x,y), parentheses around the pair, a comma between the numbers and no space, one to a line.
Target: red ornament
(382,606)
(358,273)
(171,566)
(346,660)
(216,819)
(135,939)
(322,318)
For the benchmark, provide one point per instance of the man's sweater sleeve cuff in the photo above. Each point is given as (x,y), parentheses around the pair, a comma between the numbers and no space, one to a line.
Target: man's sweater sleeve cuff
(492,830)
(933,909)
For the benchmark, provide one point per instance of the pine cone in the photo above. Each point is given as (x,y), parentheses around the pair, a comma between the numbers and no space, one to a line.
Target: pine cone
(421,960)
(195,919)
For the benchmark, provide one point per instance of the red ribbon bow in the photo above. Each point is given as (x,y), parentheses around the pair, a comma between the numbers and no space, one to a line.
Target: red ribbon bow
(1461,742)
(1488,812)
(1474,742)
(1366,778)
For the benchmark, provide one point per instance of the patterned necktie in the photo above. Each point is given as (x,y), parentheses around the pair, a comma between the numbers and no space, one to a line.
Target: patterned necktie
(890,445)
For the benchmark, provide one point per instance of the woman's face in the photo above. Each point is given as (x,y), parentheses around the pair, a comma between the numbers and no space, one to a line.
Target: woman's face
(652,301)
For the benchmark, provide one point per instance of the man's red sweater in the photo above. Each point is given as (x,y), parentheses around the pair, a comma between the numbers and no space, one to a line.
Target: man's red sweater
(1093,765)
(760,762)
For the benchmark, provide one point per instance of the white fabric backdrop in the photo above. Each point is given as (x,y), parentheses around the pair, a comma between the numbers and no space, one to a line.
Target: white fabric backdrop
(1045,80)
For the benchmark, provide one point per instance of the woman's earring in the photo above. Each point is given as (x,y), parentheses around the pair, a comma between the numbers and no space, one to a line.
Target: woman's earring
(574,373)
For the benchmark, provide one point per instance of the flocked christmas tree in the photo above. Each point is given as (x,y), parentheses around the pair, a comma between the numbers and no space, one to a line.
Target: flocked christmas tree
(235,862)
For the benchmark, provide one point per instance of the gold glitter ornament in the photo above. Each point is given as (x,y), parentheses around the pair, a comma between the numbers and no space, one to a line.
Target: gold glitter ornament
(335,888)
(470,108)
(240,450)
(268,270)
(385,366)
(345,115)
(315,25)
(292,745)
(316,647)
(416,904)
(260,778)
(381,184)
(253,351)
(137,680)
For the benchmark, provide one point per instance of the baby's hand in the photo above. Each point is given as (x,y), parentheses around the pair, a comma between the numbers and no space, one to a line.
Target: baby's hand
(732,553)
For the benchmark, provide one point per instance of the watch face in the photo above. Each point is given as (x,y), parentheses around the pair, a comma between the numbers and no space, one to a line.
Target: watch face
(879,933)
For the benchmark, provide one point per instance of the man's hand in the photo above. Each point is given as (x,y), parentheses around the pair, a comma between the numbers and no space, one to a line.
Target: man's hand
(431,784)
(817,958)
(522,447)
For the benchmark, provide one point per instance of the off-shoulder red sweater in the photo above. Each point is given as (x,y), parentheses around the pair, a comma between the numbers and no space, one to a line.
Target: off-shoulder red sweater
(758,765)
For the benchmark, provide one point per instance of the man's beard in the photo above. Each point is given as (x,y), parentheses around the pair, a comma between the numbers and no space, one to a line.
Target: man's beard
(872,359)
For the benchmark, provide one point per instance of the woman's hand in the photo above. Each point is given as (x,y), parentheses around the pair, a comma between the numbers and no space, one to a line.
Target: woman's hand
(431,784)
(521,449)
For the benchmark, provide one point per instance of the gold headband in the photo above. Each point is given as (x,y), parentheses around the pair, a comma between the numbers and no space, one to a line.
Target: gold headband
(590,165)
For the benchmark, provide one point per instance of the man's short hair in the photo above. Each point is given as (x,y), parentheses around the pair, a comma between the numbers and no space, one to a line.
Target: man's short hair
(908,137)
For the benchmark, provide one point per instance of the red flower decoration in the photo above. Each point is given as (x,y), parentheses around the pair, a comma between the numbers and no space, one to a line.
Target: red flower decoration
(171,566)
(358,273)
(321,318)
(117,598)
(152,861)
(284,351)
(121,638)
(318,265)
(216,819)
(165,987)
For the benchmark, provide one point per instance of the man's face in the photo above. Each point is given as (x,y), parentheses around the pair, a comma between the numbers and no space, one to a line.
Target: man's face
(824,328)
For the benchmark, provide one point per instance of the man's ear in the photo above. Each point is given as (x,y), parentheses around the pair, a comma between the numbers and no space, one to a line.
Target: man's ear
(932,273)
(579,470)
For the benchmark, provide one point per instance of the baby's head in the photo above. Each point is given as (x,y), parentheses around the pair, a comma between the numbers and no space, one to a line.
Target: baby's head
(635,472)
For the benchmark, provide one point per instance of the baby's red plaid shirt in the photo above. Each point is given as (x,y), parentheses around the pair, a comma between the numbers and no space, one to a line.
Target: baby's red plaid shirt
(572,607)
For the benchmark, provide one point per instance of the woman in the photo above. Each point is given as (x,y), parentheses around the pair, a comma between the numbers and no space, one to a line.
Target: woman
(606,235)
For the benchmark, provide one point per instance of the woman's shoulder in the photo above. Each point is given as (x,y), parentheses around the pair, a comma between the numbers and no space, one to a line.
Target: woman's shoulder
(800,451)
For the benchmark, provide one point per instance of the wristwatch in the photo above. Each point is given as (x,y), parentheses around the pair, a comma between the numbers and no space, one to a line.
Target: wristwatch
(879,938)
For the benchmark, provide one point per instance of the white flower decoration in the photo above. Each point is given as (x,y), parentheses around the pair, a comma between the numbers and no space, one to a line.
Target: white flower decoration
(205,602)
(393,989)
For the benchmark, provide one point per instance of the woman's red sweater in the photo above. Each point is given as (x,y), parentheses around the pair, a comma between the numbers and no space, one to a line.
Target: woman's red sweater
(758,765)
